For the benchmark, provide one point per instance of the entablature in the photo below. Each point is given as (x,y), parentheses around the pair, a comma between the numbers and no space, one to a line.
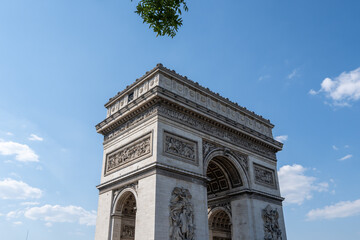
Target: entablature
(192,92)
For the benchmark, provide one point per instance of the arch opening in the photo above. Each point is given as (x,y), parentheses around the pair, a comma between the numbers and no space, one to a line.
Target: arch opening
(124,217)
(220,226)
(223,176)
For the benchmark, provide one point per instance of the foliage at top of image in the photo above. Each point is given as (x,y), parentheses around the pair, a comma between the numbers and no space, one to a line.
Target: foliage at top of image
(163,16)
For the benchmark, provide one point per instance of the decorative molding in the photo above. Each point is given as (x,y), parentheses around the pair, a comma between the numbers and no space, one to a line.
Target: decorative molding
(146,114)
(181,148)
(136,150)
(182,226)
(210,146)
(133,186)
(272,229)
(174,82)
(225,205)
(264,176)
(216,131)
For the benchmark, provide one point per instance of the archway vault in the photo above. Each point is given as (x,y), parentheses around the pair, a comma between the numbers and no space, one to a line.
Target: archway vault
(222,164)
(220,224)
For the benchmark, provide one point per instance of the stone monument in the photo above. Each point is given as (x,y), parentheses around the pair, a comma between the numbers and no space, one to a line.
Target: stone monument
(181,162)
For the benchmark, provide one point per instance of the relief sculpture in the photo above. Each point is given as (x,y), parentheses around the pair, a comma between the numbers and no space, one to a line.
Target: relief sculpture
(181,215)
(264,176)
(209,146)
(128,153)
(128,231)
(271,225)
(180,147)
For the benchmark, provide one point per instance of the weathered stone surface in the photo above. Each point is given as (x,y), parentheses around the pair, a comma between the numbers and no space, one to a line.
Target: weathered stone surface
(183,163)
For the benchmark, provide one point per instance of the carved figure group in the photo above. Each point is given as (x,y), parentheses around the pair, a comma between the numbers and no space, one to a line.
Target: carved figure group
(181,215)
(178,147)
(128,154)
(271,225)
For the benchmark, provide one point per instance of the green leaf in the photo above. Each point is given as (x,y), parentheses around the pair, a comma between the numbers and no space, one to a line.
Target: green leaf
(163,16)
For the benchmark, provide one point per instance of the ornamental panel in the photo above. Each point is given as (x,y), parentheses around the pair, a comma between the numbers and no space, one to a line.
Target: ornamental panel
(181,148)
(136,150)
(264,176)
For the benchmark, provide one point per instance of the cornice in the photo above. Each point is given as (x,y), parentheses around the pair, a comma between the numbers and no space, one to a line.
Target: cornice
(183,79)
(157,95)
(147,170)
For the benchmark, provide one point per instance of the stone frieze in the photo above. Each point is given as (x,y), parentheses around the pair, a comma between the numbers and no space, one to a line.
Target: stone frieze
(180,147)
(146,114)
(216,131)
(264,176)
(139,148)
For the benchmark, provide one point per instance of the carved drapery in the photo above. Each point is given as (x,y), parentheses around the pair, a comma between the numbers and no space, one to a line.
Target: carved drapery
(272,229)
(180,147)
(140,148)
(264,176)
(181,215)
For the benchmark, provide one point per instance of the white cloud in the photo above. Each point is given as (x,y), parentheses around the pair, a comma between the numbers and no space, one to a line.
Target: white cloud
(338,210)
(9,134)
(34,137)
(22,152)
(343,90)
(48,224)
(346,157)
(296,187)
(293,74)
(17,223)
(57,213)
(281,138)
(335,147)
(313,92)
(29,203)
(12,189)
(264,77)
(14,214)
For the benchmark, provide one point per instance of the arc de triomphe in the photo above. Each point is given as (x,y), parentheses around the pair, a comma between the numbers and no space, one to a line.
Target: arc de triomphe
(183,163)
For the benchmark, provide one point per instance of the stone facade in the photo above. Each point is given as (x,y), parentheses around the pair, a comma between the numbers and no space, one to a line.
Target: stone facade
(181,162)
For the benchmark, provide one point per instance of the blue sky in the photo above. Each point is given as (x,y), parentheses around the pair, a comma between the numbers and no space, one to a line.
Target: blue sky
(294,62)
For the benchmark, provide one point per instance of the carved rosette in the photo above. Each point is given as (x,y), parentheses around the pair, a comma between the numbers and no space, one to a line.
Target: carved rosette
(182,226)
(272,229)
(140,148)
(264,176)
(180,147)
